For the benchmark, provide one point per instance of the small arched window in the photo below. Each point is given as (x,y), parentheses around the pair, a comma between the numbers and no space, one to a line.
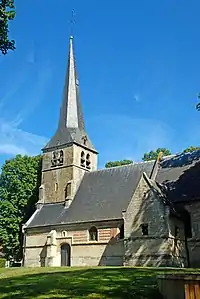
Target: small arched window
(82,159)
(68,190)
(56,187)
(93,234)
(64,234)
(88,161)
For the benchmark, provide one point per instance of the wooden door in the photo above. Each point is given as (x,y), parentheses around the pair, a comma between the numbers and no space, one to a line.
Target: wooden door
(65,255)
(192,290)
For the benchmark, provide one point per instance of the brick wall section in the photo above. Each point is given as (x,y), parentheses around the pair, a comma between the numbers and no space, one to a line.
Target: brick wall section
(80,236)
(104,235)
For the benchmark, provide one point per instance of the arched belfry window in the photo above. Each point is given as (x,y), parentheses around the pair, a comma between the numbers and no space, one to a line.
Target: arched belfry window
(88,162)
(57,158)
(93,234)
(82,159)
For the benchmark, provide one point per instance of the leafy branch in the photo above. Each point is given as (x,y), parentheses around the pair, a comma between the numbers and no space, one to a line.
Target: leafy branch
(7,13)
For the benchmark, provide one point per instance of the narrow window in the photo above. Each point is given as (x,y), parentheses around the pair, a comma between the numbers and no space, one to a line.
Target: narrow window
(88,161)
(121,233)
(93,234)
(82,159)
(85,140)
(68,190)
(56,187)
(61,157)
(145,229)
(64,234)
(176,232)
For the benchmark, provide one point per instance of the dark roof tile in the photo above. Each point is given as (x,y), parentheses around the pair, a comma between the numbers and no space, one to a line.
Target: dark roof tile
(102,195)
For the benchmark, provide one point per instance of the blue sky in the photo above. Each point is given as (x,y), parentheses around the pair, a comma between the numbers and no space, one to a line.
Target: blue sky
(139,71)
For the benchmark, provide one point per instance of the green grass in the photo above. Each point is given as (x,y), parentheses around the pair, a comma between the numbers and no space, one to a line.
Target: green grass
(96,283)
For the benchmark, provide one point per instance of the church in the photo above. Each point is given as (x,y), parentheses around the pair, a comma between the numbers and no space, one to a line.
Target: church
(143,214)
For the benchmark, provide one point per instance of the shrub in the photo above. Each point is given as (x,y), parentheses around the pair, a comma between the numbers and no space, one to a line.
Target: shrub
(2,262)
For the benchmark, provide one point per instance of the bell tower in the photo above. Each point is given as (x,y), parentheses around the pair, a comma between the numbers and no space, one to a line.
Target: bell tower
(69,153)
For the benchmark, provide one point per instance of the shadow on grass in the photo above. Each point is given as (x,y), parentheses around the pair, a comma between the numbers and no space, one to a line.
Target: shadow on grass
(85,283)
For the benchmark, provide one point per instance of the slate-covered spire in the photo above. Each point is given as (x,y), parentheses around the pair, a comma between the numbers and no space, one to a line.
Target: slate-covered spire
(71,123)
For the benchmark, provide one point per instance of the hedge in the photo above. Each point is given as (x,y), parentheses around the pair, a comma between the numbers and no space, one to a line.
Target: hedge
(2,262)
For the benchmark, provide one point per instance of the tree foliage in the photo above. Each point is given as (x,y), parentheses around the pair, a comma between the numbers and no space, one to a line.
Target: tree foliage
(19,185)
(152,155)
(118,163)
(7,13)
(198,104)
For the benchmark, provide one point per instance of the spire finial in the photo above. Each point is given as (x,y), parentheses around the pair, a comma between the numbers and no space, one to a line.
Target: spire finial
(72,21)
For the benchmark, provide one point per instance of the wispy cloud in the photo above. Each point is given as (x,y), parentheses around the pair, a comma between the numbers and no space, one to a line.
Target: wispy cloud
(19,100)
(15,141)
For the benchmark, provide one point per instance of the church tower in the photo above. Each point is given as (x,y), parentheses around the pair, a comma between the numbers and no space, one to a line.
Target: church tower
(69,153)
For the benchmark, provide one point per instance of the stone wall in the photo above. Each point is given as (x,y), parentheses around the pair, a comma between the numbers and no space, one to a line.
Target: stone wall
(107,250)
(98,254)
(194,242)
(35,250)
(153,249)
(177,242)
(55,178)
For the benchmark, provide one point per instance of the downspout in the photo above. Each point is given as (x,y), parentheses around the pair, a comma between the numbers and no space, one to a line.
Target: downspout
(187,249)
(24,244)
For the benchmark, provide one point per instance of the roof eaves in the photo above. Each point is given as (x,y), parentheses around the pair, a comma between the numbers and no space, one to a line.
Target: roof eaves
(75,222)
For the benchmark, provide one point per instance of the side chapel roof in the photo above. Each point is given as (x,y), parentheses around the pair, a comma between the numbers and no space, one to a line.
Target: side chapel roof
(181,176)
(102,195)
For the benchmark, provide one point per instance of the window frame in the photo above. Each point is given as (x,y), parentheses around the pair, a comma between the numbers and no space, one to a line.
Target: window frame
(93,230)
(145,229)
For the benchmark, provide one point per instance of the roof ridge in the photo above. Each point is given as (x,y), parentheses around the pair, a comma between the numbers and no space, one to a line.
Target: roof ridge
(121,166)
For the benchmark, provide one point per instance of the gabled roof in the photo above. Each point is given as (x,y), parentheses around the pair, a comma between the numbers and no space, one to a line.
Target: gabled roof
(102,195)
(181,175)
(71,126)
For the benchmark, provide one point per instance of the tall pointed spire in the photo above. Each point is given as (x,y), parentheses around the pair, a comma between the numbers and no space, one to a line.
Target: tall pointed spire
(71,127)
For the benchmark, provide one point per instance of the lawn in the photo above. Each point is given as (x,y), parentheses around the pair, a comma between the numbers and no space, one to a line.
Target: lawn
(96,283)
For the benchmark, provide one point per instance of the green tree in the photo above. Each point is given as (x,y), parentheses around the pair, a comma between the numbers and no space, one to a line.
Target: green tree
(7,13)
(198,104)
(118,163)
(152,155)
(191,149)
(19,187)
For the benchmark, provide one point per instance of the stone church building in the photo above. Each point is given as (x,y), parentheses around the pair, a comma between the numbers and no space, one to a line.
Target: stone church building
(144,213)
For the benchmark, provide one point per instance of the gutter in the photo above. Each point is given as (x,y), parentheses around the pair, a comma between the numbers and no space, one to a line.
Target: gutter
(75,223)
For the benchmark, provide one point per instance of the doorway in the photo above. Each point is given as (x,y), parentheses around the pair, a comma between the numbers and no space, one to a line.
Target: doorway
(65,254)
